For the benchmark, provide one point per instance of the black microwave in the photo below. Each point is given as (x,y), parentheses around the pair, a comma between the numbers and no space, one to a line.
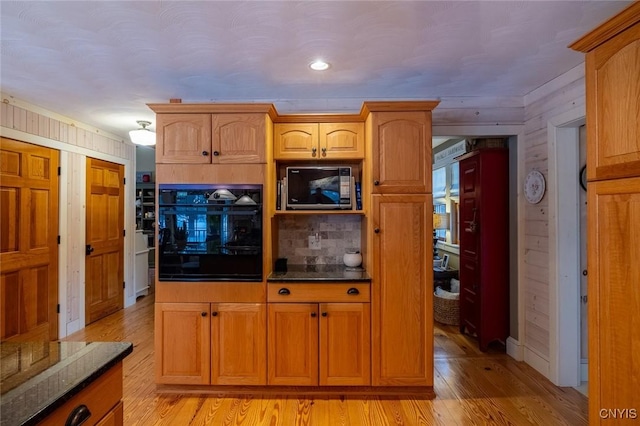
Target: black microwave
(318,187)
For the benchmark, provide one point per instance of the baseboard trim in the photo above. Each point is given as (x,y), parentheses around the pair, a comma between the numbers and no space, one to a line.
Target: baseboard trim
(514,349)
(537,362)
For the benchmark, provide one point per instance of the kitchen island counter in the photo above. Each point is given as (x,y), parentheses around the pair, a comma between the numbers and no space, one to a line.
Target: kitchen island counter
(40,377)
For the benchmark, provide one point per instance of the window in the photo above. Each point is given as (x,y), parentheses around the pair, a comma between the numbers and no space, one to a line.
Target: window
(446,187)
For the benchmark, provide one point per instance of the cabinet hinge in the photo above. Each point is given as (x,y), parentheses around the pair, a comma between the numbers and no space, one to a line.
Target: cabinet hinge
(58,239)
(58,308)
(123,284)
(59,171)
(124,181)
(124,232)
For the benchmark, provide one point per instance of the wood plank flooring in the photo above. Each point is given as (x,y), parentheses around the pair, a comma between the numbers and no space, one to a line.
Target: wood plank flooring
(472,388)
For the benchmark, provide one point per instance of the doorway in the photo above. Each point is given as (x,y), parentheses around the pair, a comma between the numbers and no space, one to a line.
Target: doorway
(104,263)
(564,248)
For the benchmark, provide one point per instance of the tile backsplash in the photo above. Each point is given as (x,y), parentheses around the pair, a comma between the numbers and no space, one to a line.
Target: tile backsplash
(338,234)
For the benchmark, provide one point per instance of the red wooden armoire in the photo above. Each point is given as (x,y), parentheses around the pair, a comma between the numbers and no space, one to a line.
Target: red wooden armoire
(484,244)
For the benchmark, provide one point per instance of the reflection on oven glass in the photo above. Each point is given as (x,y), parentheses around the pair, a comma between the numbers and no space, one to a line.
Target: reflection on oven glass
(210,233)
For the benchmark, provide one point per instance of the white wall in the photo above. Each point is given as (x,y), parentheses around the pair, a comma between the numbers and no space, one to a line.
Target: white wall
(76,141)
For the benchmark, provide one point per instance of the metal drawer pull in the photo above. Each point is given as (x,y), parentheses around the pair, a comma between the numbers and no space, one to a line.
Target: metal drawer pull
(79,415)
(353,290)
(284,291)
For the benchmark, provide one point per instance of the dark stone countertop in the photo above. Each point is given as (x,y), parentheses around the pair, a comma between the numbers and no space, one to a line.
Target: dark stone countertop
(320,273)
(38,377)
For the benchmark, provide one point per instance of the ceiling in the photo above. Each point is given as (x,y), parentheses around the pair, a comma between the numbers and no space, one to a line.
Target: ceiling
(101,62)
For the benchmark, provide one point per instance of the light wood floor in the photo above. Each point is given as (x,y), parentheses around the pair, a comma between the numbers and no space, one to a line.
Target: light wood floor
(471,387)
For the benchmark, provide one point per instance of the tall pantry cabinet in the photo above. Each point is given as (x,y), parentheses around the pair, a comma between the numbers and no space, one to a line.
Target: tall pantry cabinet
(613,214)
(397,176)
(484,244)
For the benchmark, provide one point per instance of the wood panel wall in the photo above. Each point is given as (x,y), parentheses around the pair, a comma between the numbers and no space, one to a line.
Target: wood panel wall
(75,140)
(559,96)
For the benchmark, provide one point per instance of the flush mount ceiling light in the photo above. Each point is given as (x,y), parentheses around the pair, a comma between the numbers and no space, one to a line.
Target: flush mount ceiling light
(319,65)
(143,136)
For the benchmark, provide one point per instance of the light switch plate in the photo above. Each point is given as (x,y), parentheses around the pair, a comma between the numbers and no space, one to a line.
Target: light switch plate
(315,242)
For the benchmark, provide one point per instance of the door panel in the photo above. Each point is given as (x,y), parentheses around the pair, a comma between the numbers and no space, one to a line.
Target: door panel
(293,344)
(105,224)
(402,299)
(239,344)
(28,241)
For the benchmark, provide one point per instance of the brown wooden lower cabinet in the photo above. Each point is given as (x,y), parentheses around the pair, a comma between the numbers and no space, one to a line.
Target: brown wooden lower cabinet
(326,344)
(210,343)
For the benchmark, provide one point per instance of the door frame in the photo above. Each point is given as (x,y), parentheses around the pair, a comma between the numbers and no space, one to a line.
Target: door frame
(563,137)
(515,344)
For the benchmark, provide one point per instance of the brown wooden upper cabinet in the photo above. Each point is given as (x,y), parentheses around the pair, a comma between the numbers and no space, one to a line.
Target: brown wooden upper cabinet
(401,152)
(211,138)
(318,141)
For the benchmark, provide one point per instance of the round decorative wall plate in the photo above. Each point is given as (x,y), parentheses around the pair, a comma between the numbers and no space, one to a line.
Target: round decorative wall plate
(534,186)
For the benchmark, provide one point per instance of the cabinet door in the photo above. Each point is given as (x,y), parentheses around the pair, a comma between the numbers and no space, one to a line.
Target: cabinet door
(293,344)
(238,344)
(295,141)
(613,103)
(469,295)
(402,299)
(470,208)
(401,143)
(341,140)
(182,337)
(613,232)
(238,138)
(183,138)
(345,344)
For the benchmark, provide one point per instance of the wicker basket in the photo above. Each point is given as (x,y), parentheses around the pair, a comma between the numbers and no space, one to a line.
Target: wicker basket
(446,311)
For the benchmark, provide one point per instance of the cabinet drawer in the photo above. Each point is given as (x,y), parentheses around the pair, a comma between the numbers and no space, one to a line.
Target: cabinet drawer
(308,292)
(99,398)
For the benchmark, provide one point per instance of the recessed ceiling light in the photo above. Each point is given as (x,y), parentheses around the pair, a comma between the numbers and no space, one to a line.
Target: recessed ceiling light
(319,65)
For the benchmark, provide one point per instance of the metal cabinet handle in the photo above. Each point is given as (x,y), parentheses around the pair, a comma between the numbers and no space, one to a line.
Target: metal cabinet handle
(376,230)
(376,182)
(204,314)
(324,152)
(353,291)
(313,151)
(216,153)
(79,415)
(214,314)
(205,153)
(284,291)
(313,314)
(324,314)
(88,249)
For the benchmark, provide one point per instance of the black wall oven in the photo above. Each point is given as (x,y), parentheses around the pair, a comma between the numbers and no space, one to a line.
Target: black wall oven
(210,232)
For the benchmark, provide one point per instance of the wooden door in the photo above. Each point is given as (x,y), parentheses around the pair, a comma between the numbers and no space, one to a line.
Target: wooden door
(182,343)
(238,344)
(238,138)
(614,303)
(341,140)
(183,138)
(28,241)
(345,344)
(104,264)
(401,152)
(293,344)
(295,141)
(402,297)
